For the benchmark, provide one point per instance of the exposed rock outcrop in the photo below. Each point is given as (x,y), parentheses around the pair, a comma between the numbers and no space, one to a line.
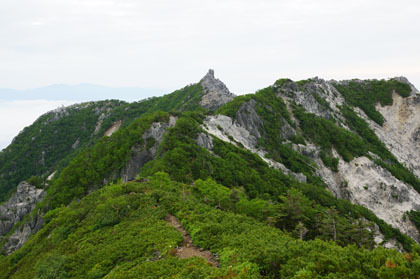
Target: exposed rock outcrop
(228,130)
(247,117)
(372,186)
(401,129)
(215,92)
(22,234)
(115,126)
(20,204)
(76,144)
(205,141)
(315,96)
(147,152)
(14,210)
(405,80)
(362,181)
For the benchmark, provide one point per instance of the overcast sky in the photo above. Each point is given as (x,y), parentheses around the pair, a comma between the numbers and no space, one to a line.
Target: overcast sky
(168,44)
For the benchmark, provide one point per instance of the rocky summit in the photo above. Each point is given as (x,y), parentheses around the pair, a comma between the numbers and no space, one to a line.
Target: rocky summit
(215,92)
(301,179)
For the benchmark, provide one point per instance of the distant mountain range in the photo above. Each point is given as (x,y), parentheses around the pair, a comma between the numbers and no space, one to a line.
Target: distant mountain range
(80,92)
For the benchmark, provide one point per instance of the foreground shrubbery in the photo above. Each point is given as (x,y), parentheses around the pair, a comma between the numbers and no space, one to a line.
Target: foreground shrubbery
(119,232)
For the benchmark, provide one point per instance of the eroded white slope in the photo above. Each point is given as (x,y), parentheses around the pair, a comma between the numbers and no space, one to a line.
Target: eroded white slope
(377,189)
(363,182)
(401,130)
(224,128)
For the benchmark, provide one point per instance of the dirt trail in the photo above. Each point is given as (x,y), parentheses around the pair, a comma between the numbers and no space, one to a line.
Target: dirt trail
(187,249)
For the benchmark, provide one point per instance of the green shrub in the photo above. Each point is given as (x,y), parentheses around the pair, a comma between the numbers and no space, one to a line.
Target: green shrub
(53,266)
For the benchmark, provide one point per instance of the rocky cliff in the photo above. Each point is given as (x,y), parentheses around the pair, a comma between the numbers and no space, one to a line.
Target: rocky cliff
(363,180)
(215,92)
(15,210)
(140,155)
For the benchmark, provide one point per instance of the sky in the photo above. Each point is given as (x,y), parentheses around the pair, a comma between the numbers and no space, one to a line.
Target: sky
(168,44)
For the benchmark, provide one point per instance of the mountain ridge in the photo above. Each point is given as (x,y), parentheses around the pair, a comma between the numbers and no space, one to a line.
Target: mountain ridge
(102,115)
(306,160)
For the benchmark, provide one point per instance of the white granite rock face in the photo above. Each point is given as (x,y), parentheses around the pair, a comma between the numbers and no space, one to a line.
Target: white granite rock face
(363,182)
(378,190)
(115,127)
(224,128)
(306,96)
(401,129)
(360,181)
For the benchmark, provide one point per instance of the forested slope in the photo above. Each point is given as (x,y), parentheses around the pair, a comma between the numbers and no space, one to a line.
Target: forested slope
(50,143)
(294,181)
(38,149)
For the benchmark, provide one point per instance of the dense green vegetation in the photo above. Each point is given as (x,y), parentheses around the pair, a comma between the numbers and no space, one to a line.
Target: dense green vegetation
(415,218)
(184,99)
(259,222)
(103,161)
(366,94)
(119,232)
(327,135)
(39,148)
(51,143)
(185,162)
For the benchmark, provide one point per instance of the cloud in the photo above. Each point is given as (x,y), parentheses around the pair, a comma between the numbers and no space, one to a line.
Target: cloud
(168,44)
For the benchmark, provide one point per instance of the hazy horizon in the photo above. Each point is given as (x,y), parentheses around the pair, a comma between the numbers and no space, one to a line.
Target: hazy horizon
(164,45)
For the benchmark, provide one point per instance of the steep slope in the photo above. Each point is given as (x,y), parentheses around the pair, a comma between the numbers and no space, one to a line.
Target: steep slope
(63,127)
(290,182)
(347,155)
(180,155)
(209,93)
(39,148)
(55,138)
(400,131)
(120,231)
